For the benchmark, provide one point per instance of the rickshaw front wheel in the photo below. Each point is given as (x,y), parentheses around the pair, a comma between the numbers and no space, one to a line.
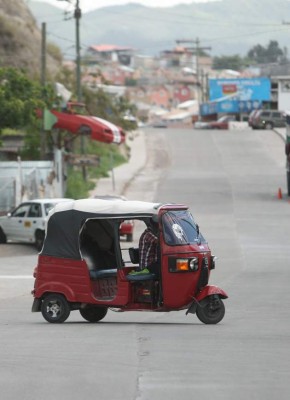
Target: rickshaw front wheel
(93,313)
(210,310)
(55,308)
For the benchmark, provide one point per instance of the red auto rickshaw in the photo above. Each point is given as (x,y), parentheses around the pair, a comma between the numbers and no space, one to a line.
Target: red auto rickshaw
(85,266)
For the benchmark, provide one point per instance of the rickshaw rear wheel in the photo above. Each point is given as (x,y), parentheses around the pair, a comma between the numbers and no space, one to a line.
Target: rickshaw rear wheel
(55,308)
(93,313)
(3,238)
(210,310)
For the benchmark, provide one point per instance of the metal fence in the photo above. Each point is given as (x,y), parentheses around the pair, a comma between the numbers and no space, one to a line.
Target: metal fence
(7,193)
(25,180)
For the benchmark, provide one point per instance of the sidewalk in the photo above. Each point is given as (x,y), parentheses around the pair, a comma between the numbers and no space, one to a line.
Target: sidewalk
(119,179)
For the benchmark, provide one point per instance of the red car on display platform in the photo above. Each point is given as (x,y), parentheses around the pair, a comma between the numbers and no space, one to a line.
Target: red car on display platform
(83,266)
(75,119)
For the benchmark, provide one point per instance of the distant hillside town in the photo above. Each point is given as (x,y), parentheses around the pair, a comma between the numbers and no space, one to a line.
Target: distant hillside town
(180,86)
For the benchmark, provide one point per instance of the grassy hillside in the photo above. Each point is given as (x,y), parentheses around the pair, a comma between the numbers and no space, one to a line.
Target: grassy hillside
(20,39)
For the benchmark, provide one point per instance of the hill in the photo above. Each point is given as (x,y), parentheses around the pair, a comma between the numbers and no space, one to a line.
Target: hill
(228,27)
(20,39)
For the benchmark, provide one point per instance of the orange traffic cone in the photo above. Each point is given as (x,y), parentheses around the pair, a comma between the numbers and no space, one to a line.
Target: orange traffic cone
(280,194)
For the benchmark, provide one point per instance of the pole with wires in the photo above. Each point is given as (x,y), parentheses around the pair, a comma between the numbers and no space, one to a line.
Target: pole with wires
(77,16)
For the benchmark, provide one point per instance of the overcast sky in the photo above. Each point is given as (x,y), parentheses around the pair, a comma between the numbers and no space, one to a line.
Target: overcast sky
(87,5)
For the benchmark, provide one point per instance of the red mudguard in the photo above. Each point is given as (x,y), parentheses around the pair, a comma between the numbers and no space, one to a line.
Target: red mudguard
(209,291)
(205,292)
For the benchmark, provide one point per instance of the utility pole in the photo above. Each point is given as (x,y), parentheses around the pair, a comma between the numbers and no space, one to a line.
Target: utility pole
(196,49)
(43,83)
(77,16)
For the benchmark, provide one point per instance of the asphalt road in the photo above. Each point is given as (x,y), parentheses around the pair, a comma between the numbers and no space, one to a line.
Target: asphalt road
(231,181)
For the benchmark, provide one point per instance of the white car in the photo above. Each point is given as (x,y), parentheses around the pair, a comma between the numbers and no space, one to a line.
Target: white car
(26,223)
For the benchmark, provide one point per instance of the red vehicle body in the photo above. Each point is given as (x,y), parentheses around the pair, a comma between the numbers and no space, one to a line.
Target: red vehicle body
(126,229)
(75,120)
(83,267)
(252,116)
(222,122)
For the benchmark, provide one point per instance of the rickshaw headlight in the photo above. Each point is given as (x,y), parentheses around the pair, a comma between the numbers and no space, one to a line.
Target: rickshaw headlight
(193,264)
(182,264)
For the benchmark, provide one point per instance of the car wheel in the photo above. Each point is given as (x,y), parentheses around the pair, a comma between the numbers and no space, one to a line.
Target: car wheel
(93,313)
(39,238)
(3,238)
(268,125)
(55,308)
(129,237)
(210,311)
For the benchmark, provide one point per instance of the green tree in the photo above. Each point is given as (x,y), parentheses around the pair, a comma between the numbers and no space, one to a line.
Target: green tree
(234,62)
(270,54)
(113,109)
(19,98)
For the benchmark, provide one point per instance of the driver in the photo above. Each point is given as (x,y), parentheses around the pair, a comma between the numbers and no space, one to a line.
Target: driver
(148,249)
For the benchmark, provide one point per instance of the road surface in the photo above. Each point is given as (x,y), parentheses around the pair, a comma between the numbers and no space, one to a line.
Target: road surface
(231,181)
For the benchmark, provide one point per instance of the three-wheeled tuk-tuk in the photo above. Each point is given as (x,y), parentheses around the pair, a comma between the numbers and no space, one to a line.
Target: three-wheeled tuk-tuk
(85,266)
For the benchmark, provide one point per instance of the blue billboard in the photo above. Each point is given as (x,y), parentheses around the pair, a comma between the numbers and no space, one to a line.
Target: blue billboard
(236,95)
(229,106)
(242,89)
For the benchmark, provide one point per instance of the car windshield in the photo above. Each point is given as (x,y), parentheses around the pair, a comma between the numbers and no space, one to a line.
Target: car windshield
(48,207)
(179,228)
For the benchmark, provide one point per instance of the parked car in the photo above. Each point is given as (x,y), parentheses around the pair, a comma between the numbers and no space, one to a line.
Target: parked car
(127,226)
(201,125)
(159,124)
(251,117)
(26,223)
(222,122)
(268,119)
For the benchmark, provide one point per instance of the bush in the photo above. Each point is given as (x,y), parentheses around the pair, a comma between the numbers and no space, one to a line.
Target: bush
(110,157)
(77,187)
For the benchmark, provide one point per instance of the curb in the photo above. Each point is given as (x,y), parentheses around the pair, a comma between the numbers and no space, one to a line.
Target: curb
(279,133)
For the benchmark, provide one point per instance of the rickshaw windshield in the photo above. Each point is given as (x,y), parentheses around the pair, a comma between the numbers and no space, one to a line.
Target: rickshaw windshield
(179,228)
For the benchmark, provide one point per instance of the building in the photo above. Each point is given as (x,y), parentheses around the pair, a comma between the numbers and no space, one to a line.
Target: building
(109,53)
